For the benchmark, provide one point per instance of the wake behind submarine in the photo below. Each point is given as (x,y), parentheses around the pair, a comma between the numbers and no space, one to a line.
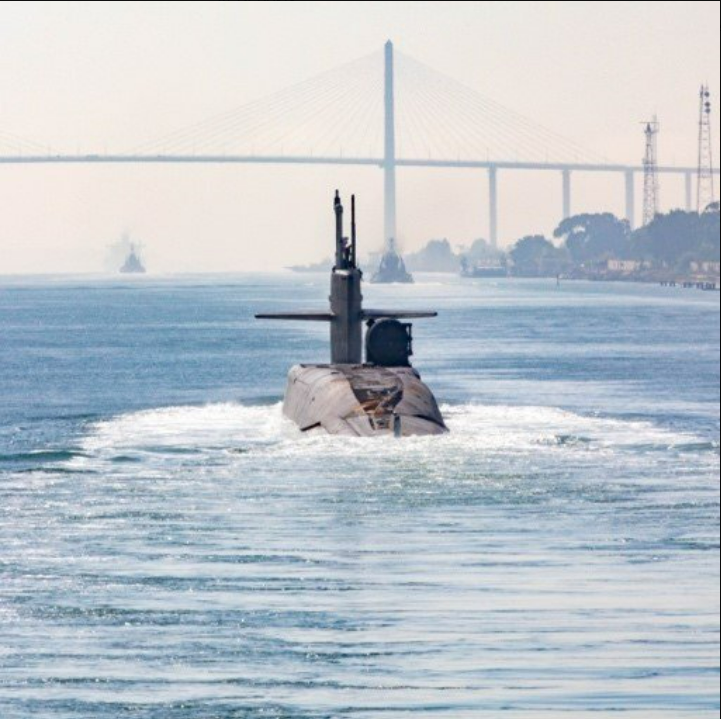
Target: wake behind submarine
(383,395)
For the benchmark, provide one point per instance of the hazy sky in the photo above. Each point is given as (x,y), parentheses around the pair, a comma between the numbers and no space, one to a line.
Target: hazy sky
(107,76)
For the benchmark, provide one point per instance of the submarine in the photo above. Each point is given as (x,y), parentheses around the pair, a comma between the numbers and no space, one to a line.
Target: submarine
(356,396)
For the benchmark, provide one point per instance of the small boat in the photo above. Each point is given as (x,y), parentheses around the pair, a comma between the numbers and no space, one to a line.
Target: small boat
(133,264)
(481,271)
(392,269)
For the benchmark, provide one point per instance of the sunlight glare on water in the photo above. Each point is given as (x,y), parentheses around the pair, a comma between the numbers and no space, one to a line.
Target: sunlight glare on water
(173,547)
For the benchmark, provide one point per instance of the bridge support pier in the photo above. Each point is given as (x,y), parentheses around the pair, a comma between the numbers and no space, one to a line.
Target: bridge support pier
(389,163)
(566,194)
(631,198)
(493,205)
(689,192)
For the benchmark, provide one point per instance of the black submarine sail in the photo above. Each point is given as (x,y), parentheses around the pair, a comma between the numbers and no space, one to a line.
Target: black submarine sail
(383,395)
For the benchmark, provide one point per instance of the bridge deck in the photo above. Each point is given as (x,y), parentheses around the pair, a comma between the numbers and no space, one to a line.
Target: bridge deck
(311,160)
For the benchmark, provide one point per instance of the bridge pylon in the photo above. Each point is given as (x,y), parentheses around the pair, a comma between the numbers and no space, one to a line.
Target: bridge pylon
(389,159)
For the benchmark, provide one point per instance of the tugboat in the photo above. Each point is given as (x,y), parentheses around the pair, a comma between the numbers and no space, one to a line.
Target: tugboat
(392,269)
(133,265)
(383,395)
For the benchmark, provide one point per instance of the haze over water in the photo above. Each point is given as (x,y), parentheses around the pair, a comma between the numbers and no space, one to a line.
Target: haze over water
(172,547)
(119,78)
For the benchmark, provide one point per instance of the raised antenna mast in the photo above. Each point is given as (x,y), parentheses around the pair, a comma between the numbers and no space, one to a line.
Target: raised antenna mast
(339,241)
(354,236)
(706,191)
(650,171)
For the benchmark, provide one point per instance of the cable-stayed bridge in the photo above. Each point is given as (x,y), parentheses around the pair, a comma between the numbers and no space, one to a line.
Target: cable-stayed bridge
(385,110)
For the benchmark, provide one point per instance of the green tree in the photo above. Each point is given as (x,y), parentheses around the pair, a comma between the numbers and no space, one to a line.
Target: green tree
(670,239)
(436,256)
(482,251)
(710,234)
(595,237)
(535,256)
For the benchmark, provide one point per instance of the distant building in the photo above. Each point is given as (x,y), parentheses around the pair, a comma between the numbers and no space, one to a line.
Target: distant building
(706,268)
(626,267)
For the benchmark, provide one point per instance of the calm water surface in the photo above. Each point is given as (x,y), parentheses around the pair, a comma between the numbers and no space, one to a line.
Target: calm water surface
(170,547)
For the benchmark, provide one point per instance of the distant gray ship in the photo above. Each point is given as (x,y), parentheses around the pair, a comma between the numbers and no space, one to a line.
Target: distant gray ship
(392,269)
(133,264)
(384,395)
(481,271)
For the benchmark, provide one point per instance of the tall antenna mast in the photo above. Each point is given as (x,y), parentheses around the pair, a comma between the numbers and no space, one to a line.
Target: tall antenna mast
(650,172)
(706,192)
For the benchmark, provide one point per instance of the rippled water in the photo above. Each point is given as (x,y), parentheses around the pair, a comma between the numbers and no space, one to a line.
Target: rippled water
(171,547)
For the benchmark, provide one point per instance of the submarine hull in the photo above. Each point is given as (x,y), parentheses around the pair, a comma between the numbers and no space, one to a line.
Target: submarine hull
(362,401)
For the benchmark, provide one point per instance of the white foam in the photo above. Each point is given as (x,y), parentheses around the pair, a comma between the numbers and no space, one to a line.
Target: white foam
(241,430)
(192,428)
(527,427)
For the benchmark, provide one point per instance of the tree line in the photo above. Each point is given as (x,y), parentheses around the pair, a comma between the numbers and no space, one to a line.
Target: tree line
(672,241)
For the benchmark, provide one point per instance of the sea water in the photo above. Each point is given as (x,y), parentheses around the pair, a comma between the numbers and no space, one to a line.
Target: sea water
(172,548)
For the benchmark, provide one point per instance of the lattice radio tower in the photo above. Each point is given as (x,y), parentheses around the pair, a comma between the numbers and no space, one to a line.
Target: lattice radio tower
(706,192)
(650,174)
